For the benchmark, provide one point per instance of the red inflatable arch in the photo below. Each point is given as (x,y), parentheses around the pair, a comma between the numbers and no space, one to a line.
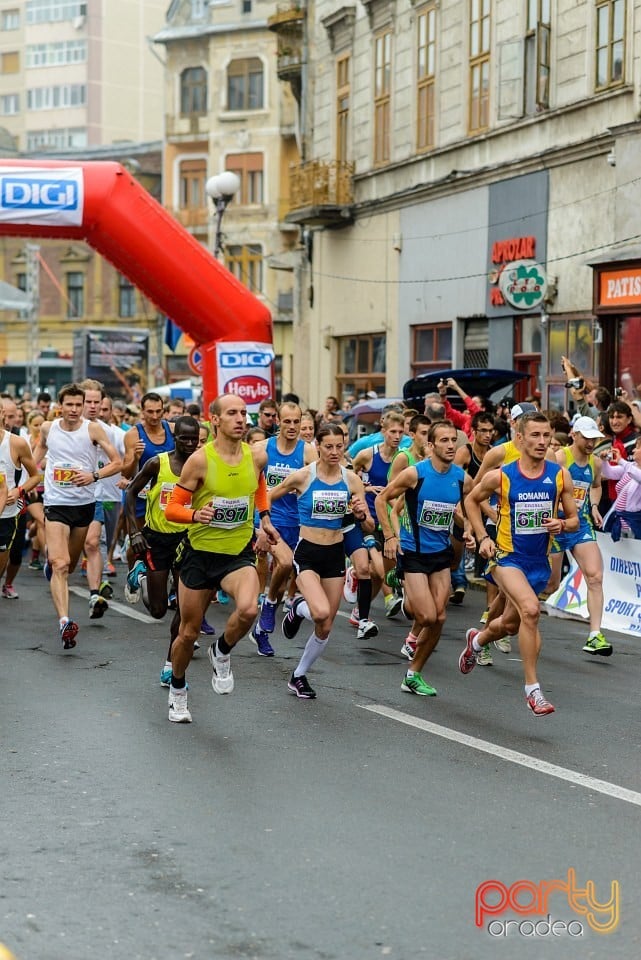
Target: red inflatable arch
(102,204)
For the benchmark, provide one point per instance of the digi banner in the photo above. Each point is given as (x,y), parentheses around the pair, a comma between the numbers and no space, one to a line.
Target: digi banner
(245,369)
(621,588)
(41,196)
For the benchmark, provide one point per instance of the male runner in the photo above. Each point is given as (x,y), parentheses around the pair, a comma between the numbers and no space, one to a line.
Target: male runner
(530,490)
(432,489)
(585,470)
(15,456)
(222,481)
(70,446)
(158,541)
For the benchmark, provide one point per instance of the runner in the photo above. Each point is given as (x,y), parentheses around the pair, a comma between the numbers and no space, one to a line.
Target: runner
(221,481)
(530,489)
(71,473)
(432,489)
(159,540)
(585,470)
(282,454)
(327,493)
(15,457)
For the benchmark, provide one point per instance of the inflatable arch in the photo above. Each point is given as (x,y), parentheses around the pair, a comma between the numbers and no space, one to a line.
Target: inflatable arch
(102,204)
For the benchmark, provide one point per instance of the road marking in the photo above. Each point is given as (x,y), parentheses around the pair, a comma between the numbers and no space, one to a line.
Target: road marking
(118,607)
(512,756)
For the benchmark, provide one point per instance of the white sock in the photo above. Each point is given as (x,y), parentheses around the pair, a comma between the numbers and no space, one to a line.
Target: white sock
(274,603)
(313,650)
(530,687)
(167,664)
(593,633)
(302,610)
(476,646)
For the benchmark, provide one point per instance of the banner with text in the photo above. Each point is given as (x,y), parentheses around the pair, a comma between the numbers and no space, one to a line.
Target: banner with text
(621,588)
(246,370)
(42,196)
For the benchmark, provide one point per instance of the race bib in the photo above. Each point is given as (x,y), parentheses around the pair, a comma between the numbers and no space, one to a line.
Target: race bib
(63,474)
(165,494)
(229,513)
(436,515)
(580,492)
(275,475)
(529,516)
(145,490)
(3,478)
(329,504)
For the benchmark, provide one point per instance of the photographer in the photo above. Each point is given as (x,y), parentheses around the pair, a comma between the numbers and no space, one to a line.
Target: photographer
(590,400)
(462,421)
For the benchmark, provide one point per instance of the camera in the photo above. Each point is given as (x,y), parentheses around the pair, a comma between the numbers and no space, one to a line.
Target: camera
(618,392)
(577,383)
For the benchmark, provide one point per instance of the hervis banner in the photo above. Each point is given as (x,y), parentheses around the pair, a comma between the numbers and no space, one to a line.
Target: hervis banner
(621,588)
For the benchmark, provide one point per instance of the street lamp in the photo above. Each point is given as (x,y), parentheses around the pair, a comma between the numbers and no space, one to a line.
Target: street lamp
(221,188)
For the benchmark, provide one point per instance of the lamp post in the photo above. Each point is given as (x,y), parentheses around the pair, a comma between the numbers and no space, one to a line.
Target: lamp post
(221,188)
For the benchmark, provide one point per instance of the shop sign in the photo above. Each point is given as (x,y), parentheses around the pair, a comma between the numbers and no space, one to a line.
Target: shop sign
(620,287)
(523,284)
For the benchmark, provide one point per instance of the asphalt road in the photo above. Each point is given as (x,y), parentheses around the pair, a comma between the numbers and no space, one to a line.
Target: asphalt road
(356,826)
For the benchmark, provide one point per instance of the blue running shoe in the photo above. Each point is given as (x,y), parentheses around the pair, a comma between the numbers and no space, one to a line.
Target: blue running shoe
(222,597)
(267,619)
(261,639)
(48,572)
(206,629)
(132,584)
(165,676)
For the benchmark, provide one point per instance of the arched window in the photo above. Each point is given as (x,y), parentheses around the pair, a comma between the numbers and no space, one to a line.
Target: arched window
(245,84)
(193,91)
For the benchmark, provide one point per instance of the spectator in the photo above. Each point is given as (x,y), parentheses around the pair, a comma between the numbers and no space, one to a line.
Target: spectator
(462,421)
(626,474)
(268,417)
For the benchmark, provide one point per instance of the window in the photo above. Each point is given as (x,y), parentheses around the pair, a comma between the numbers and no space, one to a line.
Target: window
(361,365)
(193,92)
(56,54)
(342,107)
(75,295)
(537,57)
(382,84)
(58,139)
(198,9)
(245,84)
(425,66)
(248,167)
(246,263)
(10,20)
(431,347)
(126,297)
(479,65)
(50,98)
(9,104)
(571,337)
(54,11)
(10,62)
(192,178)
(610,43)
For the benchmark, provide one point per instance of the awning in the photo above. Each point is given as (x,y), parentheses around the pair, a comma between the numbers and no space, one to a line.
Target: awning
(12,298)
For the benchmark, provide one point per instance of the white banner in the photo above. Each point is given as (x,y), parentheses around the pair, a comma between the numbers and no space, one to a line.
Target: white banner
(41,196)
(245,369)
(621,588)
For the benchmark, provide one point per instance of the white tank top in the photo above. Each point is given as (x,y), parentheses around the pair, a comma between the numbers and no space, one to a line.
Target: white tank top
(67,451)
(107,490)
(8,472)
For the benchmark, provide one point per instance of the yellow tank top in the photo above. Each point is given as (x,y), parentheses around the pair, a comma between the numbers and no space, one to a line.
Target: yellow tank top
(512,452)
(229,489)
(158,497)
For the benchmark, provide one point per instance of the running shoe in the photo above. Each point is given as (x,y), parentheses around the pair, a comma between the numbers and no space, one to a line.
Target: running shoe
(467,660)
(288,603)
(484,658)
(484,616)
(178,711)
(111,570)
(98,607)
(350,587)
(222,597)
(47,570)
(132,584)
(172,601)
(301,688)
(391,579)
(417,685)
(106,590)
(68,632)
(504,644)
(83,567)
(392,605)
(458,596)
(165,676)
(537,703)
(596,644)
(292,621)
(222,678)
(9,592)
(206,629)
(354,617)
(267,618)
(36,564)
(366,630)
(409,649)
(261,639)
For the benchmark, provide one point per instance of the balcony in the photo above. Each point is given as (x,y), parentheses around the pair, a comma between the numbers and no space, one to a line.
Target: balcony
(288,17)
(193,219)
(321,193)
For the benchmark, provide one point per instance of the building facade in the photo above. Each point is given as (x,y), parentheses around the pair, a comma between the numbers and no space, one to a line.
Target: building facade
(444,148)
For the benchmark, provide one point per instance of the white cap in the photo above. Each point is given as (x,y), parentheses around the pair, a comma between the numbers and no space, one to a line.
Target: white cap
(519,409)
(587,427)
(371,395)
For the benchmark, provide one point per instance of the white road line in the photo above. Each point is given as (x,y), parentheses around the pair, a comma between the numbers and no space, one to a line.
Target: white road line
(512,756)
(126,611)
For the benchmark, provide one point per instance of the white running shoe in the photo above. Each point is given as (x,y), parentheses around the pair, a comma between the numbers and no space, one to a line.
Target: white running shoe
(366,630)
(504,644)
(350,587)
(222,678)
(408,650)
(484,658)
(178,712)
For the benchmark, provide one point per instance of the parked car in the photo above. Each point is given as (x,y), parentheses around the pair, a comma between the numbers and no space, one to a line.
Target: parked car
(475,381)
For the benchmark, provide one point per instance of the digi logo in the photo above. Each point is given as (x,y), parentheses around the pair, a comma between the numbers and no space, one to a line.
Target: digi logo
(19,193)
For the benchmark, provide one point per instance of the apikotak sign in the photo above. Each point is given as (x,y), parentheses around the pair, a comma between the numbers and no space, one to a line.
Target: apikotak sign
(245,369)
(523,284)
(41,196)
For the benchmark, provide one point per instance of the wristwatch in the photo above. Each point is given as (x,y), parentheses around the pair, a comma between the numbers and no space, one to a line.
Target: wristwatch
(96,476)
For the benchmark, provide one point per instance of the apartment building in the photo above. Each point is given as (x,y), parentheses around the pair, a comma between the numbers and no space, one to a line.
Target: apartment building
(225,110)
(79,73)
(446,147)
